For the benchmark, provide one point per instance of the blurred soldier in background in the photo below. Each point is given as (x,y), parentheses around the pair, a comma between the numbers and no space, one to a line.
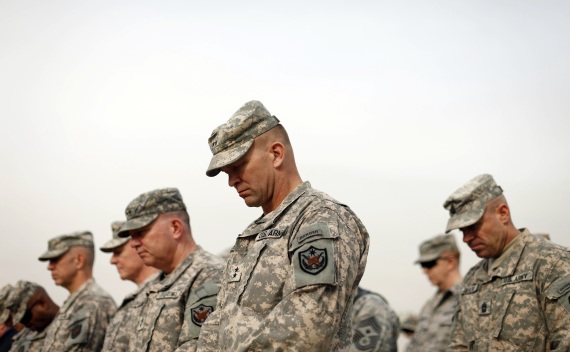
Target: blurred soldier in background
(122,328)
(375,325)
(439,259)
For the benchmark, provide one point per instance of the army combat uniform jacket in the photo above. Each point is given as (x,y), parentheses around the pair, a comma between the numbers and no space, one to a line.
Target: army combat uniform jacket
(290,279)
(121,329)
(433,332)
(375,325)
(521,304)
(178,304)
(28,341)
(80,324)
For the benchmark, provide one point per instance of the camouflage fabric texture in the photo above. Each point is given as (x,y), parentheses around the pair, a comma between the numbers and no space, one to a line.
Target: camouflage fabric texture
(178,304)
(375,325)
(433,248)
(232,140)
(290,279)
(28,341)
(121,330)
(522,304)
(433,329)
(467,204)
(4,295)
(59,245)
(115,241)
(82,321)
(145,208)
(18,300)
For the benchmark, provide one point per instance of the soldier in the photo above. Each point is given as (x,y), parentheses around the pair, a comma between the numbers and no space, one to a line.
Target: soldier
(292,274)
(439,259)
(121,329)
(31,306)
(7,331)
(375,325)
(184,294)
(517,297)
(83,318)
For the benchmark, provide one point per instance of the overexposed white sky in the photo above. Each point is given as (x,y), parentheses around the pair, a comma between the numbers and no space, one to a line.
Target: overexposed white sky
(390,105)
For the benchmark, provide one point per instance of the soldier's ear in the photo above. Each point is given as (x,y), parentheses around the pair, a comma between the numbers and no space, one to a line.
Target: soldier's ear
(503,212)
(278,154)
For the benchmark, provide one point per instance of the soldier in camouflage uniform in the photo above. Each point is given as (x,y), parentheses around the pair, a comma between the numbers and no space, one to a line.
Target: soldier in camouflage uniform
(31,306)
(121,329)
(375,325)
(517,297)
(83,318)
(292,274)
(439,259)
(7,331)
(184,294)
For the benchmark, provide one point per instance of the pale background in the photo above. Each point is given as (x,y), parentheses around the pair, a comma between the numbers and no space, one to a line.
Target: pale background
(390,105)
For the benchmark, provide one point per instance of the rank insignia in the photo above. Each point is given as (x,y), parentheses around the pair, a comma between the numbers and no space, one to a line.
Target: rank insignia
(200,314)
(313,260)
(367,334)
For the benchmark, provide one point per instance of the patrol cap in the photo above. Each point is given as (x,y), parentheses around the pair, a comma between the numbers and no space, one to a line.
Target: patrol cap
(467,204)
(4,296)
(145,208)
(116,241)
(434,247)
(230,141)
(19,298)
(59,245)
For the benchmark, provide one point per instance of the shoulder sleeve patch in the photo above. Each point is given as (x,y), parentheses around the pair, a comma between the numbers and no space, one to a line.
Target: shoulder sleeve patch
(560,291)
(201,303)
(315,263)
(78,328)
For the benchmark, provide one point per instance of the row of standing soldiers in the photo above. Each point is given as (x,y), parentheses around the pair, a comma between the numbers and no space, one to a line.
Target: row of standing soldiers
(291,279)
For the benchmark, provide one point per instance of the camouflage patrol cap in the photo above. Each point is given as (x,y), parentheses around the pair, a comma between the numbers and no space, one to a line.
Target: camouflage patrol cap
(19,298)
(434,247)
(116,241)
(4,296)
(409,323)
(145,208)
(59,245)
(467,204)
(232,140)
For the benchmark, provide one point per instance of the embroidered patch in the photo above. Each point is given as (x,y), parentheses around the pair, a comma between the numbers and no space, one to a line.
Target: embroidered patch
(313,260)
(560,291)
(484,307)
(75,330)
(200,314)
(316,230)
(518,278)
(270,233)
(167,295)
(366,335)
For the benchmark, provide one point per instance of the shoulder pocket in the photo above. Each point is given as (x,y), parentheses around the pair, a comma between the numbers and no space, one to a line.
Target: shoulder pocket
(560,291)
(78,328)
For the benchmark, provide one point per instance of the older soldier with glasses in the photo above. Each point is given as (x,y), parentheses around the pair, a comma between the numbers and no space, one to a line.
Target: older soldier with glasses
(439,259)
(517,297)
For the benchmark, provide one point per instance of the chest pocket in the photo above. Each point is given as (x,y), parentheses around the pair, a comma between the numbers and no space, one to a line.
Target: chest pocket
(78,328)
(155,316)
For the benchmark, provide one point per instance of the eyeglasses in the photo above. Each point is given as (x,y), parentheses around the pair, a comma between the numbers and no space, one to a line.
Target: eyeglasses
(432,263)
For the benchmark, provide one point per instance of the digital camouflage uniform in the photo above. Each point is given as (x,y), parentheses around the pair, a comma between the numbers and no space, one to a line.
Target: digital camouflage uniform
(433,330)
(375,325)
(28,341)
(122,328)
(518,301)
(290,279)
(520,305)
(82,320)
(178,304)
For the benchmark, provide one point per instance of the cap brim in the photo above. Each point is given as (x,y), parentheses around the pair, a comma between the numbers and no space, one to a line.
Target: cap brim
(52,254)
(114,243)
(426,258)
(136,223)
(464,219)
(226,157)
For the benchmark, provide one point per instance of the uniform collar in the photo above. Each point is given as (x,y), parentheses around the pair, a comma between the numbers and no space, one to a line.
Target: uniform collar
(507,262)
(171,278)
